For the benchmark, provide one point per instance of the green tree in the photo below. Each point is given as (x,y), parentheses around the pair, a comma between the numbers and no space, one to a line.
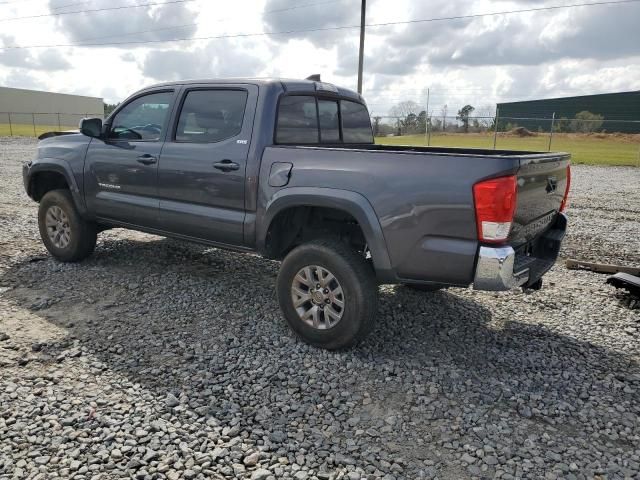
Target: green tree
(561,125)
(422,121)
(376,125)
(109,107)
(463,116)
(586,122)
(410,123)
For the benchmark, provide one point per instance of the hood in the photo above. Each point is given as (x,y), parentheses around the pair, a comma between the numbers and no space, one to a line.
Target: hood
(56,134)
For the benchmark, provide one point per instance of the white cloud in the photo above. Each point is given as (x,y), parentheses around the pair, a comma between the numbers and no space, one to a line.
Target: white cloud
(478,61)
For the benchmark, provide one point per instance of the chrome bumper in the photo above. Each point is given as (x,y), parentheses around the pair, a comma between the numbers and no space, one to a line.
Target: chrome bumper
(495,270)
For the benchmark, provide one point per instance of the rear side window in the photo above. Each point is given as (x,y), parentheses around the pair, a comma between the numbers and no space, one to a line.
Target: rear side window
(356,124)
(211,115)
(302,120)
(297,120)
(329,121)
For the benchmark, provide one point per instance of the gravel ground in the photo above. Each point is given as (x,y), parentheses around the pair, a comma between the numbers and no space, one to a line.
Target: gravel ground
(155,359)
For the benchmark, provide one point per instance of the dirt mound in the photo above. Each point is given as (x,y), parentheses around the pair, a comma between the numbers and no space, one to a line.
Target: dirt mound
(521,132)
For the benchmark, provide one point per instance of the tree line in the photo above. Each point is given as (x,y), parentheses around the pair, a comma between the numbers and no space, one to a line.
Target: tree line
(409,117)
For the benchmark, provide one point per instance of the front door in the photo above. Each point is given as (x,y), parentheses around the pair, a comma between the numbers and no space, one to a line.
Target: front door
(121,170)
(201,175)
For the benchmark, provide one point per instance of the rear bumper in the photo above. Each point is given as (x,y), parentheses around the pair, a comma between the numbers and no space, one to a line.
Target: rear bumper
(495,270)
(503,268)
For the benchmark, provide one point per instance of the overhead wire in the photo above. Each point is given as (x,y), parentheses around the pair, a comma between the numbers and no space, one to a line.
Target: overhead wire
(312,30)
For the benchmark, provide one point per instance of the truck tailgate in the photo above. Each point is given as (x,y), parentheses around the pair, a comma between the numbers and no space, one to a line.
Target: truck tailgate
(542,181)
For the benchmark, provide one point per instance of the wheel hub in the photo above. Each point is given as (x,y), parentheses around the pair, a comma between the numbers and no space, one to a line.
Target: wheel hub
(317,297)
(58,228)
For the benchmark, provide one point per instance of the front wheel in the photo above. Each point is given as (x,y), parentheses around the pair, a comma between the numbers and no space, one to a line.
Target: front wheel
(328,294)
(67,236)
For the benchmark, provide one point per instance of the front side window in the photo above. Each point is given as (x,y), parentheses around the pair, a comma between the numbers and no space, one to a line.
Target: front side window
(144,118)
(211,115)
(297,120)
(356,124)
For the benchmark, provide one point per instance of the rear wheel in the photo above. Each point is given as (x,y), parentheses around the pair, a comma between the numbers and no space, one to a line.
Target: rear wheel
(65,234)
(328,294)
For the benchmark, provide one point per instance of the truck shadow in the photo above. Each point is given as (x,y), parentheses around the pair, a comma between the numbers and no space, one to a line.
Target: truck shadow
(175,317)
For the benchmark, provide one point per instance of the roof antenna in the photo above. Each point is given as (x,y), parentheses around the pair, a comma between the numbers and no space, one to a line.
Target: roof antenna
(315,77)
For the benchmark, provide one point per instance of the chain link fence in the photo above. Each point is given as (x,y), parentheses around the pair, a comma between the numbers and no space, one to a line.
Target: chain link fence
(589,140)
(32,124)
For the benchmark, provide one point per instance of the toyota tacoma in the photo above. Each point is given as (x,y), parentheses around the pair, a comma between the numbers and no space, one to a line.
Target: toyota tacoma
(289,169)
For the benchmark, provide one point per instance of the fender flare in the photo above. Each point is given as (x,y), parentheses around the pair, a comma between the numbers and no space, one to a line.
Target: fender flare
(351,202)
(63,168)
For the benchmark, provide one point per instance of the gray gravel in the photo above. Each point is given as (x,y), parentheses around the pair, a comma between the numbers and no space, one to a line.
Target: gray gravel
(156,359)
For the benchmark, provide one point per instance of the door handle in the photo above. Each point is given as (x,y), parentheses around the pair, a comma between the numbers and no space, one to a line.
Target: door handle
(226,165)
(147,159)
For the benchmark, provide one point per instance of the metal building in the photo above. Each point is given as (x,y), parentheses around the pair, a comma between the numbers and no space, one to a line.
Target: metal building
(19,106)
(621,111)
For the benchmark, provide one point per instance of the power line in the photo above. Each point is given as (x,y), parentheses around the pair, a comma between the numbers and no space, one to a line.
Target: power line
(185,25)
(314,30)
(60,7)
(122,7)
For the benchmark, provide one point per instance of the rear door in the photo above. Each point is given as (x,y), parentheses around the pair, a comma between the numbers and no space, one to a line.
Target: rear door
(120,173)
(201,176)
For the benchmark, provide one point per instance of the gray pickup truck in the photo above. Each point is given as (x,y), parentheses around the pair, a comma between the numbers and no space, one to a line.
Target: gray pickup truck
(289,169)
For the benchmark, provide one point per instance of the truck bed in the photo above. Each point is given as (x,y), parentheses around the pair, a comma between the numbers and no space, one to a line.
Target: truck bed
(536,205)
(423,197)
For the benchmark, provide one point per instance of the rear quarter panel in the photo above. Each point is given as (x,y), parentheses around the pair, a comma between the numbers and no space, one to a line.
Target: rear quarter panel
(423,201)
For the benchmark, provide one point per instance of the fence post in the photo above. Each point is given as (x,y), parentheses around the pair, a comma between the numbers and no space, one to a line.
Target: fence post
(553,121)
(33,120)
(426,119)
(10,127)
(495,130)
(59,128)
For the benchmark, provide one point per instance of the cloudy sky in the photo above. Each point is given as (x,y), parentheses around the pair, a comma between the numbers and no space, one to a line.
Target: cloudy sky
(477,60)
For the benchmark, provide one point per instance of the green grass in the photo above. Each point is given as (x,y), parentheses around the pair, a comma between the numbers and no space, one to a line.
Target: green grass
(26,129)
(588,149)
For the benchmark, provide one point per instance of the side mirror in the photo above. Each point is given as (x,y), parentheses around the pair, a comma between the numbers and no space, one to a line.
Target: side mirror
(91,127)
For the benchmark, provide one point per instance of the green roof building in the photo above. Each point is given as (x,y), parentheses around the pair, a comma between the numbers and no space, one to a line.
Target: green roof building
(621,111)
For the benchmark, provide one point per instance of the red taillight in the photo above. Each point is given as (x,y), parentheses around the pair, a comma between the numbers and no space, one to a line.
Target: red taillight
(495,201)
(565,199)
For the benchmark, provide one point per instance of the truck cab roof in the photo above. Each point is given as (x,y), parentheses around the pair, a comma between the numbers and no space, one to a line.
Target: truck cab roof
(289,85)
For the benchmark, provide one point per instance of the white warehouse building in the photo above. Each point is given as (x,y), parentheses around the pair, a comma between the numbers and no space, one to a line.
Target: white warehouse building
(23,107)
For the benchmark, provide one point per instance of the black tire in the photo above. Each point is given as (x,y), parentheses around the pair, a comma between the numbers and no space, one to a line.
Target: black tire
(434,287)
(83,234)
(355,276)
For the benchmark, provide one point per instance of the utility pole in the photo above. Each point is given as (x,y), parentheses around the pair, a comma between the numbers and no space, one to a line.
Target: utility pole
(363,10)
